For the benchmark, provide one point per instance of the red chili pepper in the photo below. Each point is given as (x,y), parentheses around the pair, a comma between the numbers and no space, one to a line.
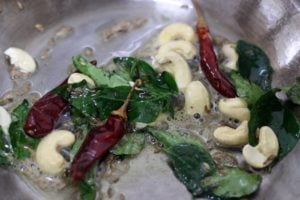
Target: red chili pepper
(208,59)
(44,114)
(100,140)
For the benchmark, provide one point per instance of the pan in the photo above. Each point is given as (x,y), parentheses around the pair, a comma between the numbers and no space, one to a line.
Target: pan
(54,31)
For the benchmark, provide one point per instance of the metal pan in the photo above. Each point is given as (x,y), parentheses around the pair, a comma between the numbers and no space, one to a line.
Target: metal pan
(272,24)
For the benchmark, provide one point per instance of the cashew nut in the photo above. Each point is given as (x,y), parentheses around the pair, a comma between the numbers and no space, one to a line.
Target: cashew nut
(231,55)
(176,31)
(48,157)
(21,59)
(78,77)
(264,153)
(235,108)
(232,137)
(5,120)
(196,98)
(177,66)
(182,47)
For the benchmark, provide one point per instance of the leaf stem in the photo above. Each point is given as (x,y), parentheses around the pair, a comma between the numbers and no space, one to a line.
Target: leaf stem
(122,110)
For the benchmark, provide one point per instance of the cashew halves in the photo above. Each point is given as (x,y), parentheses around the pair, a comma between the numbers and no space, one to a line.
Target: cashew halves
(5,120)
(48,157)
(21,59)
(235,108)
(184,48)
(176,31)
(78,77)
(177,66)
(231,55)
(196,98)
(264,153)
(232,137)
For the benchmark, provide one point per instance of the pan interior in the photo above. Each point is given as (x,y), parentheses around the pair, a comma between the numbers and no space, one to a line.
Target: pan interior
(272,24)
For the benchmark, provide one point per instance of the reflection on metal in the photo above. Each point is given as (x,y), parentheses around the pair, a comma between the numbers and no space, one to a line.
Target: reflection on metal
(272,24)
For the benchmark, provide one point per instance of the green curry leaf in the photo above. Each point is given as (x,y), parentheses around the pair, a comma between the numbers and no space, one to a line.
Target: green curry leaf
(153,97)
(145,105)
(19,140)
(101,76)
(231,182)
(268,111)
(194,167)
(139,69)
(130,144)
(250,92)
(188,169)
(5,149)
(254,64)
(87,191)
(294,92)
(190,164)
(87,186)
(169,139)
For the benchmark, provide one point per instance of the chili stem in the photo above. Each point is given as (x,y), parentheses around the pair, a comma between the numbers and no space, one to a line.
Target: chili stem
(201,19)
(122,110)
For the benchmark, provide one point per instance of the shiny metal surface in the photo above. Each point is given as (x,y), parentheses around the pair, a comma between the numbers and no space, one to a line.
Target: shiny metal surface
(272,24)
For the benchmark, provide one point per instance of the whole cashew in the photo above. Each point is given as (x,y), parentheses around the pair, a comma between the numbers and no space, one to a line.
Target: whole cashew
(264,153)
(78,77)
(48,157)
(196,98)
(5,120)
(21,59)
(176,31)
(231,55)
(235,108)
(177,66)
(182,47)
(232,137)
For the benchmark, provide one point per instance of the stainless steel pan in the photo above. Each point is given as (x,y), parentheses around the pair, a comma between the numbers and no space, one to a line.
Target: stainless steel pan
(272,24)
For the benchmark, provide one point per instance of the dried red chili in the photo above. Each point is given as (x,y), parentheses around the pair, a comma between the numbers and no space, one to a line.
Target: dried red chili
(44,114)
(100,140)
(208,59)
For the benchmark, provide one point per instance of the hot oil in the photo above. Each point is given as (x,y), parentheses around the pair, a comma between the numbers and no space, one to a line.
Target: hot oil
(199,125)
(47,185)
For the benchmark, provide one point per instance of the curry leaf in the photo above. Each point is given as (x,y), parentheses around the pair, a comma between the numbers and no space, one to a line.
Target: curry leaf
(294,92)
(87,186)
(145,105)
(231,182)
(81,125)
(101,76)
(100,103)
(268,111)
(195,168)
(19,140)
(139,69)
(130,144)
(188,158)
(250,92)
(191,164)
(5,149)
(154,96)
(254,64)
(87,191)
(169,139)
